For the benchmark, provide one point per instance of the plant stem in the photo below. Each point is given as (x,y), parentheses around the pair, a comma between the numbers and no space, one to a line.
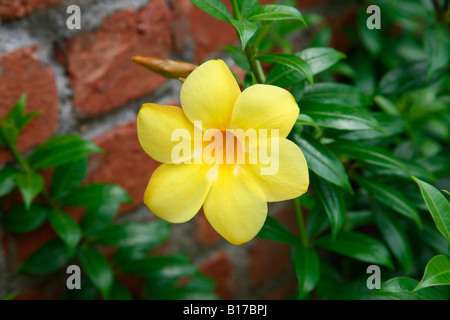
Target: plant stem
(255,65)
(300,223)
(19,157)
(236,12)
(439,10)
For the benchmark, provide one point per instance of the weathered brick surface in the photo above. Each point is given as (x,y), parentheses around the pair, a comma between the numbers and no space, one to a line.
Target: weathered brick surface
(99,65)
(14,9)
(22,72)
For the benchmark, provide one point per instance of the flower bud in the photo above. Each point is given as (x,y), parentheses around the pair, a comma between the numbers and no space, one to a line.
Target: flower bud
(166,67)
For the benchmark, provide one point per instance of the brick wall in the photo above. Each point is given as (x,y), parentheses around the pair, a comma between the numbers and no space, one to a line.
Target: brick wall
(86,83)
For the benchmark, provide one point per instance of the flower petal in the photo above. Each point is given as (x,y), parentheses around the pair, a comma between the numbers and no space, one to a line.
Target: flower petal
(265,107)
(176,193)
(286,175)
(235,206)
(208,94)
(155,126)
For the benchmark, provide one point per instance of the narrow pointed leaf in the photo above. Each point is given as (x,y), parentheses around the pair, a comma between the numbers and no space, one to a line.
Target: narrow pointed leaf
(437,273)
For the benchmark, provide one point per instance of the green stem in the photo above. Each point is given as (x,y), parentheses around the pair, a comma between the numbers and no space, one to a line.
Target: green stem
(236,12)
(255,65)
(19,158)
(265,27)
(300,222)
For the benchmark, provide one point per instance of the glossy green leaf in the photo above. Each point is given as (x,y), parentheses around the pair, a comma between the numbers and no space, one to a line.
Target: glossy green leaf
(402,289)
(30,185)
(306,120)
(214,8)
(437,47)
(307,269)
(7,180)
(340,117)
(51,257)
(322,161)
(94,195)
(437,273)
(274,230)
(99,217)
(129,234)
(67,177)
(370,155)
(66,228)
(332,199)
(97,268)
(408,77)
(275,12)
(319,59)
(438,206)
(247,6)
(292,61)
(60,150)
(358,246)
(21,220)
(390,197)
(336,93)
(151,265)
(395,236)
(245,29)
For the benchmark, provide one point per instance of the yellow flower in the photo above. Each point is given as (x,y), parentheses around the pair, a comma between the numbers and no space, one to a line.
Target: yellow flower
(234,195)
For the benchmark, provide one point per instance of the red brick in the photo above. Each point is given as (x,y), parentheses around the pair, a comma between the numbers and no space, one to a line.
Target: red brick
(308,3)
(22,72)
(205,233)
(123,163)
(207,33)
(267,258)
(220,268)
(14,9)
(102,75)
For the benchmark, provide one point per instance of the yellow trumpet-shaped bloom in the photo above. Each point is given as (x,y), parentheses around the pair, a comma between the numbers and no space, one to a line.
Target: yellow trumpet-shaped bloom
(234,194)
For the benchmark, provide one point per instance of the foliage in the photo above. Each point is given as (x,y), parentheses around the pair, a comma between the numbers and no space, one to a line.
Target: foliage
(86,242)
(374,128)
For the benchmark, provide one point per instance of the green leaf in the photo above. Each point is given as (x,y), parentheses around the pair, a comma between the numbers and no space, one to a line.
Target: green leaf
(371,39)
(238,57)
(437,273)
(332,199)
(49,258)
(408,77)
(370,155)
(152,265)
(119,292)
(274,230)
(307,269)
(60,150)
(68,177)
(247,6)
(322,161)
(94,195)
(336,93)
(319,59)
(98,217)
(245,29)
(402,289)
(66,228)
(394,235)
(214,8)
(390,197)
(30,185)
(357,246)
(130,234)
(306,120)
(438,206)
(7,180)
(97,269)
(437,48)
(340,117)
(292,61)
(275,12)
(21,220)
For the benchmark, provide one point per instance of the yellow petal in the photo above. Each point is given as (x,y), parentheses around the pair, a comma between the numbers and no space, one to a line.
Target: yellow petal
(155,126)
(287,179)
(265,107)
(235,206)
(176,193)
(208,94)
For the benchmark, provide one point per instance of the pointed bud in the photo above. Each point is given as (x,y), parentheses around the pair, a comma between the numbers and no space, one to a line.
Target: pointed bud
(166,67)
